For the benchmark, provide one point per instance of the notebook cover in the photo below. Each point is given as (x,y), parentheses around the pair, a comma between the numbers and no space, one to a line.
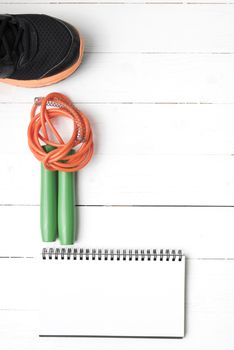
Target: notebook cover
(112,295)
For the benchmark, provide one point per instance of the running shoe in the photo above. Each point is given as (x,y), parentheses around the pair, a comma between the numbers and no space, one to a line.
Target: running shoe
(37,50)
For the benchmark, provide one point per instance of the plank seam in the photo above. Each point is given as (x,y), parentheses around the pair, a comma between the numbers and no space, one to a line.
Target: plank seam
(128,103)
(119,3)
(187,258)
(132,205)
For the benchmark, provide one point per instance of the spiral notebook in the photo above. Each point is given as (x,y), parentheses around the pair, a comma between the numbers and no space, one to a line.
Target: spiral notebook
(112,293)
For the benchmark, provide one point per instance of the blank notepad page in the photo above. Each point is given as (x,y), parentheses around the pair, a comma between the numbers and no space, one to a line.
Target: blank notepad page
(89,293)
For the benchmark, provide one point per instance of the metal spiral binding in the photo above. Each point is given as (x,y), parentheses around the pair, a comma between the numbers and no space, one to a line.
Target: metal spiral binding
(111,254)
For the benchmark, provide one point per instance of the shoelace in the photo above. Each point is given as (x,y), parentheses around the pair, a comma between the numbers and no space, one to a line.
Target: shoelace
(11,47)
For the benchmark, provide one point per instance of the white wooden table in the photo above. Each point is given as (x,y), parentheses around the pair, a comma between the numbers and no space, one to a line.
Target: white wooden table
(157,83)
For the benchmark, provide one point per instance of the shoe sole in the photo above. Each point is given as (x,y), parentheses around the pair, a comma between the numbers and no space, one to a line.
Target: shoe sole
(48,80)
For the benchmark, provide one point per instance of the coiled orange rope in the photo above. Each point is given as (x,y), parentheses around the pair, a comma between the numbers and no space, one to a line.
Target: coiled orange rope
(53,106)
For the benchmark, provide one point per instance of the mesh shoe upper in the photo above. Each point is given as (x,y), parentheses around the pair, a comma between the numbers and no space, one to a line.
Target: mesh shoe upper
(54,47)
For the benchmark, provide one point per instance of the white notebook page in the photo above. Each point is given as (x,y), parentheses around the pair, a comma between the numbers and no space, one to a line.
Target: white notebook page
(112,298)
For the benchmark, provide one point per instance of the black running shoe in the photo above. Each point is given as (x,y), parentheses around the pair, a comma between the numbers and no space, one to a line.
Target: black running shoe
(37,50)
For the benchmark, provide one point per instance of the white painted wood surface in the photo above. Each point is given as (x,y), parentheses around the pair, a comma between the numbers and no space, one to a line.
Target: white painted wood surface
(201,232)
(142,78)
(145,27)
(138,148)
(157,84)
(122,2)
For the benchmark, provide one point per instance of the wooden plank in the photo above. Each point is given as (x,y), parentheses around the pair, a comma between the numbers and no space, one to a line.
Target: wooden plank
(122,2)
(19,284)
(144,27)
(198,231)
(209,312)
(18,329)
(131,78)
(129,180)
(136,129)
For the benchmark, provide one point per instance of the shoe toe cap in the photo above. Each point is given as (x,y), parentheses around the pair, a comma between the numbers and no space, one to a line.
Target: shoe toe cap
(73,50)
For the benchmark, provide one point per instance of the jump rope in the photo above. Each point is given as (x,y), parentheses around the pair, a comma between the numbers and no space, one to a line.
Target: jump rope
(59,162)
